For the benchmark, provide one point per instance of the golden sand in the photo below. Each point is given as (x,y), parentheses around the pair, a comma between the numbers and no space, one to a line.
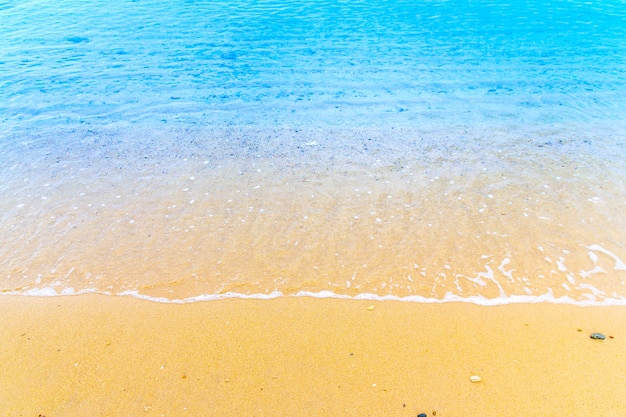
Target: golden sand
(93,355)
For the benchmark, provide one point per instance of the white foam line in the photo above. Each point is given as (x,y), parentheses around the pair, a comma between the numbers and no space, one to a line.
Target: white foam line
(448,298)
(203,297)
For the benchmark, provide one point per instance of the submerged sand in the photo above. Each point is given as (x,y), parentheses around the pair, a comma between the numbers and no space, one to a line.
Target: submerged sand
(93,355)
(407,213)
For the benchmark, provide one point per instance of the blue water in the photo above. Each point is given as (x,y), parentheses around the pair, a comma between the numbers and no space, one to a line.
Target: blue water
(311,62)
(420,149)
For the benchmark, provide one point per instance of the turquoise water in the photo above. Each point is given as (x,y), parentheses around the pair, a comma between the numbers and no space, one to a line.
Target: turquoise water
(357,63)
(422,150)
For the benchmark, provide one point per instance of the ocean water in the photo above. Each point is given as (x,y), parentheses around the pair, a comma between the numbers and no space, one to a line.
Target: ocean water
(427,151)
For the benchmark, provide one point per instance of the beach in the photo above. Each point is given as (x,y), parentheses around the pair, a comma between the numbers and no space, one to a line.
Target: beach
(327,208)
(301,356)
(295,272)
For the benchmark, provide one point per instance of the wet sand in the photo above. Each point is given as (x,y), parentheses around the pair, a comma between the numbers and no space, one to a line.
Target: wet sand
(293,356)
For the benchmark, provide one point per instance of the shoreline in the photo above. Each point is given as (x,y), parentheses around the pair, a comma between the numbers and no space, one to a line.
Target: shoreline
(478,300)
(108,355)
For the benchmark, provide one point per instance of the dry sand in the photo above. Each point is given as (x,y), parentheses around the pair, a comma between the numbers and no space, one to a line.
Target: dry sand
(93,355)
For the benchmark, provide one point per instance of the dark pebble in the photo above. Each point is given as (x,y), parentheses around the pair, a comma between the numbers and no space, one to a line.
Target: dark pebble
(422,415)
(597,336)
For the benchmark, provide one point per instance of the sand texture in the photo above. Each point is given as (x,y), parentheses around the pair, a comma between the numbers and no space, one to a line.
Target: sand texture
(96,355)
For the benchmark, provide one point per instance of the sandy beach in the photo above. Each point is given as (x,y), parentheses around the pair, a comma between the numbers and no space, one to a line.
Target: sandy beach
(534,221)
(93,355)
(312,208)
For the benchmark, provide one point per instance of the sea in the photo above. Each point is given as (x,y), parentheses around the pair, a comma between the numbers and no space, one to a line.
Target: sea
(413,150)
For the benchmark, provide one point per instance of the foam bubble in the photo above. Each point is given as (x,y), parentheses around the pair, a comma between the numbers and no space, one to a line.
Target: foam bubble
(619,264)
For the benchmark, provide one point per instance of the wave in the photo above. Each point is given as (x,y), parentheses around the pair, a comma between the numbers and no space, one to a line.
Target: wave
(449,297)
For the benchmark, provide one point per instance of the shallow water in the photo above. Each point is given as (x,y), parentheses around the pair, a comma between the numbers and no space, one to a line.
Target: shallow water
(386,213)
(429,151)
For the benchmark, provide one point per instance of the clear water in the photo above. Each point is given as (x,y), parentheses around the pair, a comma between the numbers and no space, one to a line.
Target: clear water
(108,109)
(360,63)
